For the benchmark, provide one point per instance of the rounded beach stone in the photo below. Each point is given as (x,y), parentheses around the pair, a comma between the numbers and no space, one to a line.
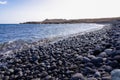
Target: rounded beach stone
(77,76)
(102,54)
(44,74)
(108,51)
(92,78)
(117,58)
(6,78)
(11,70)
(97,61)
(20,73)
(86,60)
(106,78)
(79,57)
(97,74)
(115,74)
(96,52)
(108,68)
(48,77)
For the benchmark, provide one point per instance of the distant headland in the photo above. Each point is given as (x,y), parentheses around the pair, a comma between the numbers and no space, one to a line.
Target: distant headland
(71,21)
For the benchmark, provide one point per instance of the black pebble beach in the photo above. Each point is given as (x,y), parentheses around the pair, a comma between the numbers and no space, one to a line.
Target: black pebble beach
(91,56)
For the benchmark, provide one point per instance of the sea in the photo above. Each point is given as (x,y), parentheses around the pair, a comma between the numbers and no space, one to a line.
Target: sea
(33,32)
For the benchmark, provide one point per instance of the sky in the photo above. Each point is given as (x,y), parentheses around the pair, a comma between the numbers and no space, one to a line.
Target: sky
(17,11)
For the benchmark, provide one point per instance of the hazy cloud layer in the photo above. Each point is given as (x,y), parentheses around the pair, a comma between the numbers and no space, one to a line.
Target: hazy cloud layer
(3,2)
(37,10)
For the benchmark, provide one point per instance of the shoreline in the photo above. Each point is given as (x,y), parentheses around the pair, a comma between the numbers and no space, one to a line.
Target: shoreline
(92,55)
(11,47)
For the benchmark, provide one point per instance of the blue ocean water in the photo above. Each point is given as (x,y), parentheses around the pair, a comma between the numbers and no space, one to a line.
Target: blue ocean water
(11,32)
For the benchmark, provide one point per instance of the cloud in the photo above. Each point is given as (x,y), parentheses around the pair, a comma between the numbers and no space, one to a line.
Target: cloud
(3,2)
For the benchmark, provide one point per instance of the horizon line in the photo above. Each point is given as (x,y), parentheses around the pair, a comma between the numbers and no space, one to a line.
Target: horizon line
(63,19)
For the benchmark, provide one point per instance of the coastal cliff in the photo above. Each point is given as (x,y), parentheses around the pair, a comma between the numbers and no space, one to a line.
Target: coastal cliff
(71,21)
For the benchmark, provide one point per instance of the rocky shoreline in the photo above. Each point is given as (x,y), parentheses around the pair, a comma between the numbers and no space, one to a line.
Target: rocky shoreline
(91,56)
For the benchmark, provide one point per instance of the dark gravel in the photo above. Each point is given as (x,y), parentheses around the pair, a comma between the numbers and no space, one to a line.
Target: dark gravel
(91,56)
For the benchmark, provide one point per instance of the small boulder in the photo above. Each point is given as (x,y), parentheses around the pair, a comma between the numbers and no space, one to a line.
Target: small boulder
(115,74)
